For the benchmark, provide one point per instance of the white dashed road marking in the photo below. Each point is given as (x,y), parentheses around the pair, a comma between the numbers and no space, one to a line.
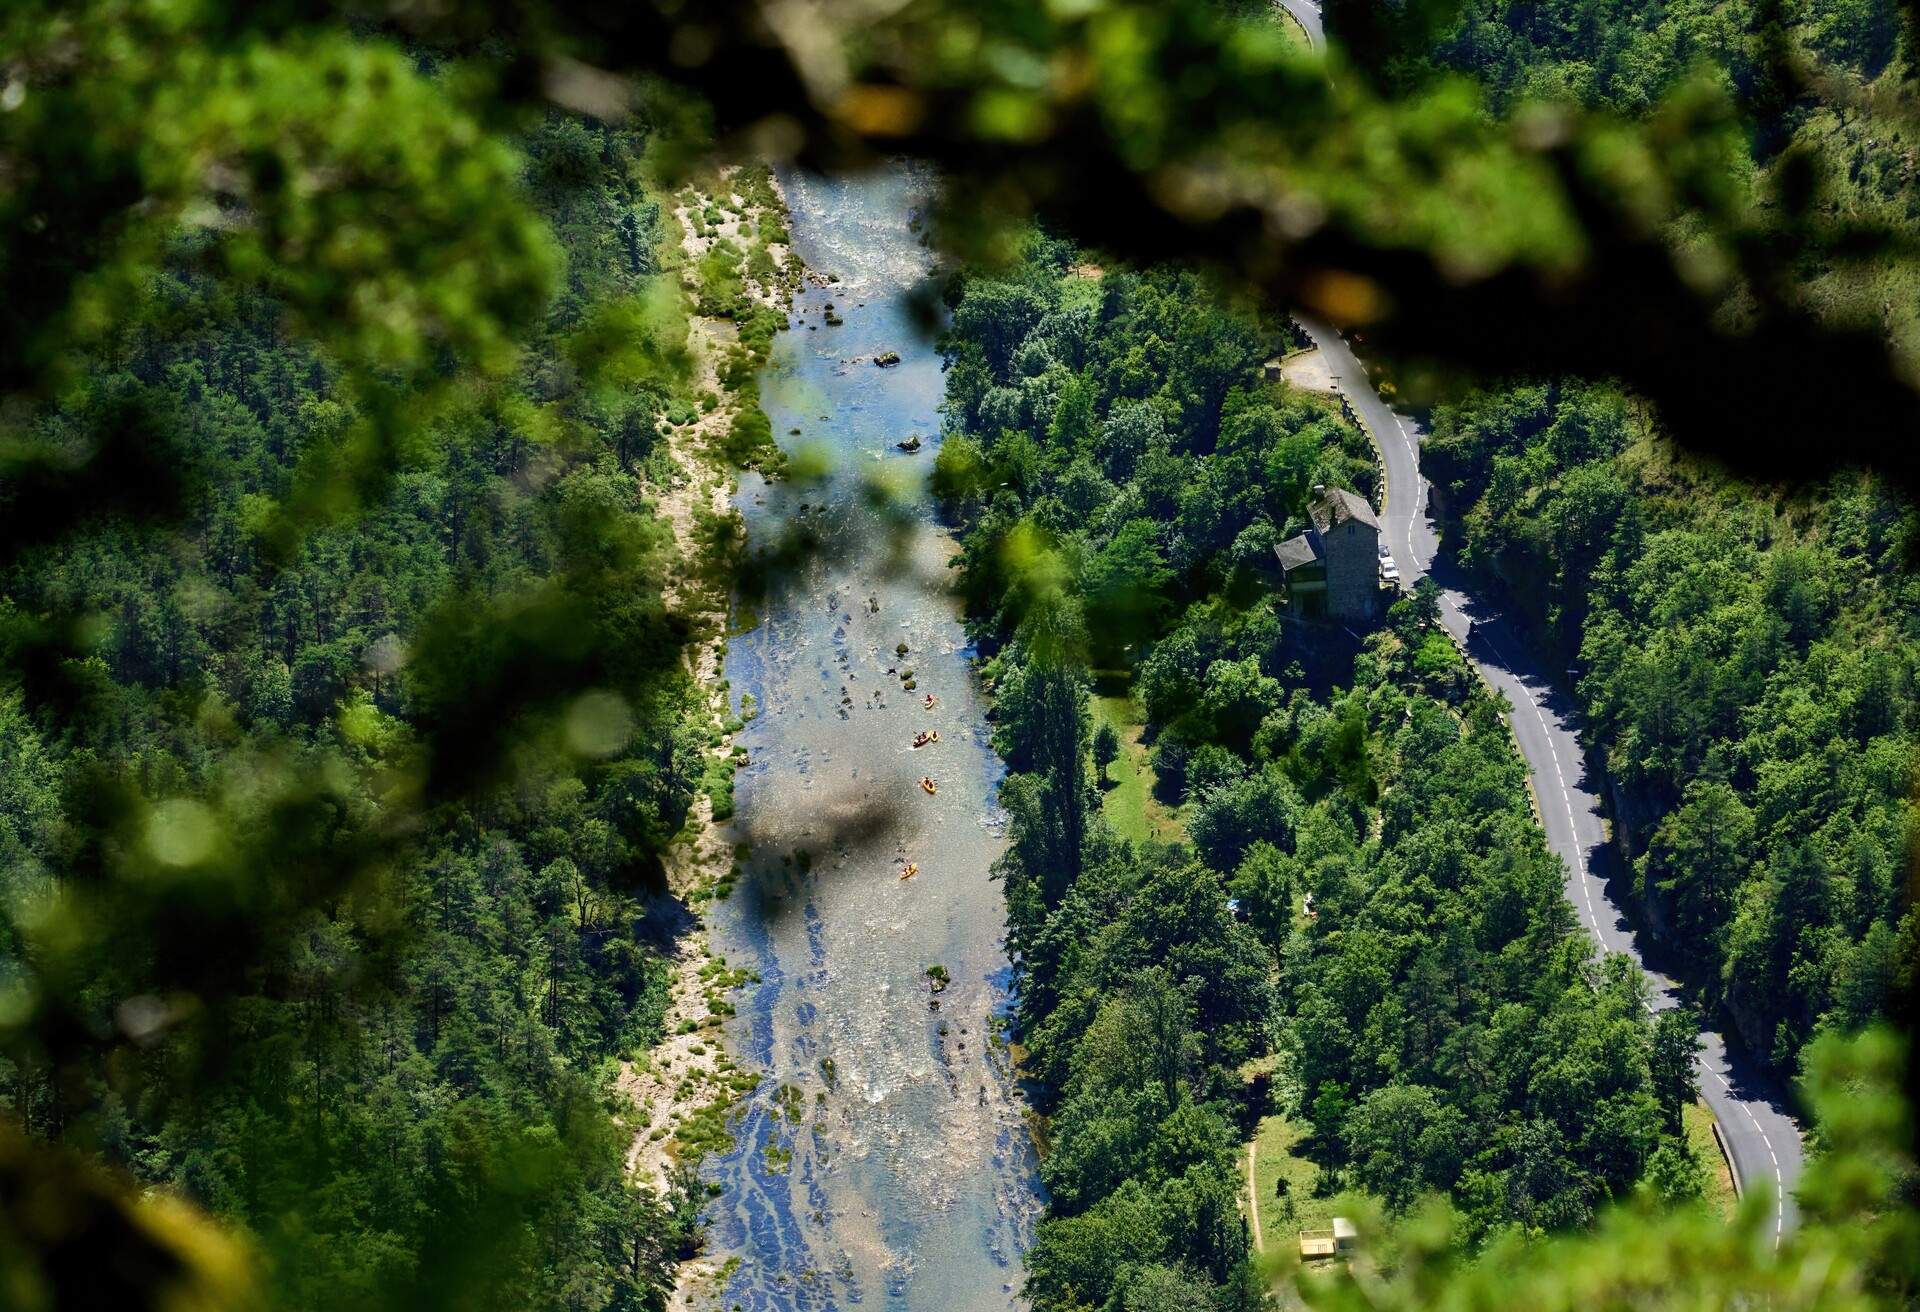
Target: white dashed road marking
(1579,862)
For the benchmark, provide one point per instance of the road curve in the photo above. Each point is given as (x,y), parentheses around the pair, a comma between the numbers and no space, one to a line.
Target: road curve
(1761,1137)
(1307,14)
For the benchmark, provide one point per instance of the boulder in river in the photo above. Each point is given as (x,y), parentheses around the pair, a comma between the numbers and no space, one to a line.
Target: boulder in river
(910,444)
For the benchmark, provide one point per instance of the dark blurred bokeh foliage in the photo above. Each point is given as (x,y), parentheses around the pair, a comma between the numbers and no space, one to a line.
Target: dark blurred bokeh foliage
(1622,202)
(329,353)
(344,721)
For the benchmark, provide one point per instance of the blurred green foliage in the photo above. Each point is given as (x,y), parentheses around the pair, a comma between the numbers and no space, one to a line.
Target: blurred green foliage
(1627,208)
(340,677)
(336,787)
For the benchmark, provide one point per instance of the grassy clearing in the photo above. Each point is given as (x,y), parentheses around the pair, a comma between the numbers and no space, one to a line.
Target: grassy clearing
(1279,1153)
(1128,801)
(1699,1125)
(1275,1157)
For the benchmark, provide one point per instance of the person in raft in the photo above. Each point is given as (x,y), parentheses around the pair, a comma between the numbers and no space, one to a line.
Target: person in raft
(926,782)
(928,703)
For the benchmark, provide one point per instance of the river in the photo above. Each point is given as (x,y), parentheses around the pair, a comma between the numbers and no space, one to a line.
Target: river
(885,1158)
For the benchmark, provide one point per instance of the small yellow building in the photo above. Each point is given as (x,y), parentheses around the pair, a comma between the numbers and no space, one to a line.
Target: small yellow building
(1337,1242)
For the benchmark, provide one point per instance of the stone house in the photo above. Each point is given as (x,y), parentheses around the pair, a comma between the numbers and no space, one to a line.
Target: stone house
(1332,571)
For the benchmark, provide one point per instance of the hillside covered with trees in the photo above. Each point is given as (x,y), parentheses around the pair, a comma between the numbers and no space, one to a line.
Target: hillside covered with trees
(1438,1022)
(1746,650)
(403,1097)
(1746,662)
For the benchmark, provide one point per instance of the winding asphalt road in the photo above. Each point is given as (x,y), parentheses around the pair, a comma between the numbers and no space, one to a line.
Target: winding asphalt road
(1307,14)
(1761,1138)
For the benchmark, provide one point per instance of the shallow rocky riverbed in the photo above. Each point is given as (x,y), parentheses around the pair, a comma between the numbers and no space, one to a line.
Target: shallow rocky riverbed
(885,1158)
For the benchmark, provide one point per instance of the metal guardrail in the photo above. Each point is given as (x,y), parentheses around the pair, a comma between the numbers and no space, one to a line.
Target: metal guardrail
(1733,1167)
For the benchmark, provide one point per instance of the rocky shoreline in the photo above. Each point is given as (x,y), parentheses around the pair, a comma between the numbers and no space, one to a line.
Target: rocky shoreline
(677,1097)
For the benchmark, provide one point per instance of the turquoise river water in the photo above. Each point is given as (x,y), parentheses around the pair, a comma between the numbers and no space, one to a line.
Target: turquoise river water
(884,1161)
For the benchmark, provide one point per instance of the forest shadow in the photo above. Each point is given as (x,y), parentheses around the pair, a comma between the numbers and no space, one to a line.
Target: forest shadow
(1324,650)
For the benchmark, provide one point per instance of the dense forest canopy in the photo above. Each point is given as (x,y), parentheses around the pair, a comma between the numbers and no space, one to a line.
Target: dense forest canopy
(387,1057)
(1397,931)
(1744,654)
(345,718)
(1747,666)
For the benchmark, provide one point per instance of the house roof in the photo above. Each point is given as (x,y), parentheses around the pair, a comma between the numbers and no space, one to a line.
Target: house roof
(1297,551)
(1337,506)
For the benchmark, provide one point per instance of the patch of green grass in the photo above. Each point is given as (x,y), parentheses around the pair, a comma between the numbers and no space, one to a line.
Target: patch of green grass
(717,779)
(1699,1126)
(1276,1156)
(1296,34)
(1128,801)
(703,1132)
(1279,1152)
